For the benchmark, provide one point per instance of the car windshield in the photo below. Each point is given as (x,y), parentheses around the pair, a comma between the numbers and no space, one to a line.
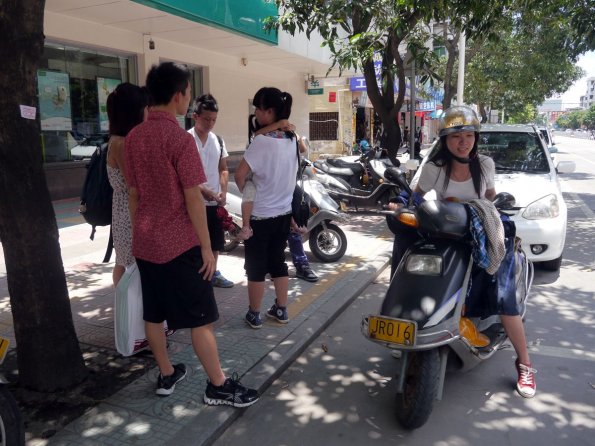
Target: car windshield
(514,151)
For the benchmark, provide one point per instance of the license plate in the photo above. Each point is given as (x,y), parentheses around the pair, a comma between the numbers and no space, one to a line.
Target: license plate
(391,330)
(4,343)
(343,206)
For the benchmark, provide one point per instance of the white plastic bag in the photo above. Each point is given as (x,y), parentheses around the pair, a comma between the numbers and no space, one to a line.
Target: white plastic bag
(129,325)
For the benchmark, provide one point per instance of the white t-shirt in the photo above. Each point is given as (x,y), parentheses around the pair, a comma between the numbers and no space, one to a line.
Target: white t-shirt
(432,178)
(210,154)
(274,166)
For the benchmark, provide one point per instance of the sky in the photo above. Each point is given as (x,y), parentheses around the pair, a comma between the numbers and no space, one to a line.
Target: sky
(572,97)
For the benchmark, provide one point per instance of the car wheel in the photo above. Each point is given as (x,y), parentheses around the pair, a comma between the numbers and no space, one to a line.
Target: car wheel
(552,265)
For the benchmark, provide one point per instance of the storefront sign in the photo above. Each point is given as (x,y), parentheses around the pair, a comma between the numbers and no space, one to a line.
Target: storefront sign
(313,91)
(426,105)
(239,16)
(104,87)
(332,96)
(54,100)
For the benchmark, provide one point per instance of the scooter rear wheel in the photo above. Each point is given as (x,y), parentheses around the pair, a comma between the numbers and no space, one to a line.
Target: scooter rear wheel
(422,376)
(328,245)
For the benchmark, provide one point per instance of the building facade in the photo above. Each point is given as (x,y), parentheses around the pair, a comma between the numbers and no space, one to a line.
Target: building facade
(94,45)
(589,98)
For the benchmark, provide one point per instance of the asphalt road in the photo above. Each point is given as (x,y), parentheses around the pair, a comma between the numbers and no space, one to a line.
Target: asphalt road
(340,391)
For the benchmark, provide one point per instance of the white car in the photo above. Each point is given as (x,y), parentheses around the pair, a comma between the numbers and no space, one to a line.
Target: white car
(525,169)
(85,148)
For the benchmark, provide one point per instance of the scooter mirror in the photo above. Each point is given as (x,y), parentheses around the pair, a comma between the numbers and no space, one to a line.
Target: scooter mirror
(504,200)
(412,164)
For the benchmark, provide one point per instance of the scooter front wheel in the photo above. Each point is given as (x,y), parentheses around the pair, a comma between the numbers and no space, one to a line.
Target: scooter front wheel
(422,376)
(328,245)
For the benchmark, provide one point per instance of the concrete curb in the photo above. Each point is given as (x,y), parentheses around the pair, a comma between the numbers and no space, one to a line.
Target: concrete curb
(264,372)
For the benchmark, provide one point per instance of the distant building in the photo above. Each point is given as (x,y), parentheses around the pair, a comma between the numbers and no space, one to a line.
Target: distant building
(551,108)
(550,105)
(589,98)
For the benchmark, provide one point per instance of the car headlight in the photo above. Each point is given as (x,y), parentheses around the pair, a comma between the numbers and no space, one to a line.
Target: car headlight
(546,207)
(424,264)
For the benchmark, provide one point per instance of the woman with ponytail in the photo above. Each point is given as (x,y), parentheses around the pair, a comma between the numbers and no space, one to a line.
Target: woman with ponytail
(271,160)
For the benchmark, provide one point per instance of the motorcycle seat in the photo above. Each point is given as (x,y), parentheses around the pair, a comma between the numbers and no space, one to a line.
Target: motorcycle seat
(392,173)
(357,168)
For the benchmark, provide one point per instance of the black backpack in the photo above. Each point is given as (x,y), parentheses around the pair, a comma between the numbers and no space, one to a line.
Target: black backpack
(96,196)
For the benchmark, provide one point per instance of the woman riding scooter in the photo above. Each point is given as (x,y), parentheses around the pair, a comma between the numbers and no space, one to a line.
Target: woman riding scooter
(457,171)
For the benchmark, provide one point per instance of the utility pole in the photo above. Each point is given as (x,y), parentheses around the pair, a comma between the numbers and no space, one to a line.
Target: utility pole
(412,89)
(461,78)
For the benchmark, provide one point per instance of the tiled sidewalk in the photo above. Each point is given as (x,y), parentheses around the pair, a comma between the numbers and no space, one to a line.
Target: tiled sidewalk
(135,415)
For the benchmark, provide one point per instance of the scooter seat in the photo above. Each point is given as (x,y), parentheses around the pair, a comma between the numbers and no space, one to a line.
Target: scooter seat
(357,168)
(392,174)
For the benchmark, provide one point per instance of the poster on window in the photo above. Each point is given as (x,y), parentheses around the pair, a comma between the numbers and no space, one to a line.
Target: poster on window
(105,86)
(54,100)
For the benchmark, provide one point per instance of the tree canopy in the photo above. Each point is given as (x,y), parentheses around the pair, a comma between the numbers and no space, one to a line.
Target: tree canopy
(524,63)
(519,52)
(357,32)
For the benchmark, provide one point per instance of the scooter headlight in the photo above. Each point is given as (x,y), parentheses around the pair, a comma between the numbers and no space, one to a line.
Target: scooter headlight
(427,265)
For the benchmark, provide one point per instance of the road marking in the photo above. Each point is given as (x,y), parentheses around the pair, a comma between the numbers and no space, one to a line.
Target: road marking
(579,202)
(563,353)
(301,301)
(583,158)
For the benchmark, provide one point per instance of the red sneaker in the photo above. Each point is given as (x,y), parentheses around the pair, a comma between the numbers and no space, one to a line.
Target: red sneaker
(526,381)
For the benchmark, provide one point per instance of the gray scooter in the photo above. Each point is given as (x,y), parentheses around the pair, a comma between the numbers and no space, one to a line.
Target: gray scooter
(326,239)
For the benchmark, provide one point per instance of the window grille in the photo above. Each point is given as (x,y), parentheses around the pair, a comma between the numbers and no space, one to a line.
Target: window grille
(324,126)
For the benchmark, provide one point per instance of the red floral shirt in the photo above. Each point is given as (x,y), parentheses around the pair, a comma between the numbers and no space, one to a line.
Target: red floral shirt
(162,161)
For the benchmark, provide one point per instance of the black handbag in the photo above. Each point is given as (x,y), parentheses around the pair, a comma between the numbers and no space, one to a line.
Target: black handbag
(300,209)
(300,206)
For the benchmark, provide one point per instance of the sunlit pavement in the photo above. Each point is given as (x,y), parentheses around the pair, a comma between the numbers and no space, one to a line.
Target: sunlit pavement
(135,415)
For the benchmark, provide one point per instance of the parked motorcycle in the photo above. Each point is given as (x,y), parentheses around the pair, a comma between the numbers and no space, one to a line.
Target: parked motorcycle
(326,239)
(12,431)
(362,172)
(420,318)
(368,183)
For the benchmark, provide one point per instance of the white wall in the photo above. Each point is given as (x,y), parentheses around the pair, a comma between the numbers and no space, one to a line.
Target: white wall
(232,84)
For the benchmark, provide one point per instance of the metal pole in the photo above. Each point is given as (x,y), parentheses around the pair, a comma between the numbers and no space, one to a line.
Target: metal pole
(461,78)
(412,89)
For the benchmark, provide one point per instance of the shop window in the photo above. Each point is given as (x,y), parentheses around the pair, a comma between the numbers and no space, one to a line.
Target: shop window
(324,126)
(73,85)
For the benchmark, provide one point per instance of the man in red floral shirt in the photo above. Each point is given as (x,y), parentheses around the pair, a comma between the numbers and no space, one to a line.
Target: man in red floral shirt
(170,239)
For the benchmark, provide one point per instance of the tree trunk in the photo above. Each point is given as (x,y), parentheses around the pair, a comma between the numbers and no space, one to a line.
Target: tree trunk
(483,112)
(452,50)
(48,352)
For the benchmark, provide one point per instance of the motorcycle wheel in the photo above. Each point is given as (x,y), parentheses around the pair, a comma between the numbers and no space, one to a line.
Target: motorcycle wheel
(328,245)
(12,432)
(231,241)
(422,376)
